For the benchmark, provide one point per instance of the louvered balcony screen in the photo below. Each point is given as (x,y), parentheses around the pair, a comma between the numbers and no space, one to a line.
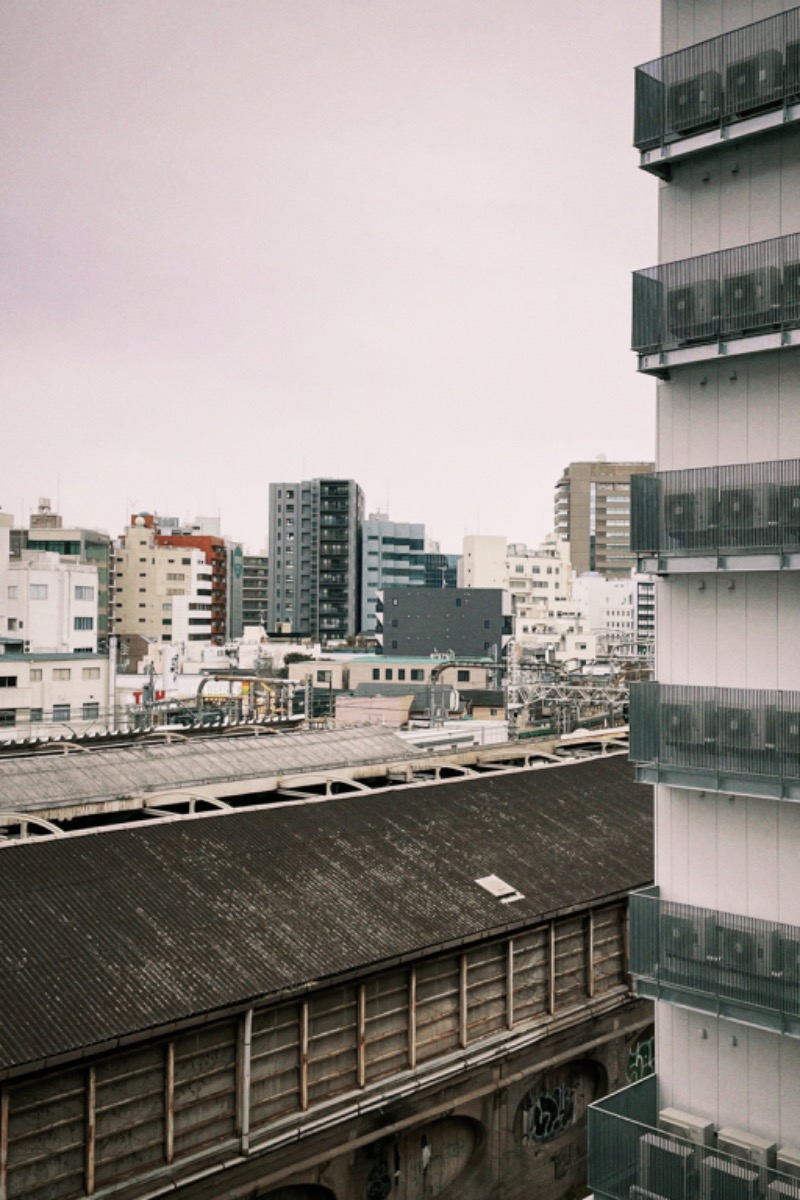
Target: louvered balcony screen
(744,508)
(736,731)
(732,293)
(724,79)
(717,955)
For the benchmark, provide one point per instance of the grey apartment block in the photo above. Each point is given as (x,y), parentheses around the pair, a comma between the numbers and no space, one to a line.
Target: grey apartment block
(255,589)
(467,622)
(315,557)
(393,556)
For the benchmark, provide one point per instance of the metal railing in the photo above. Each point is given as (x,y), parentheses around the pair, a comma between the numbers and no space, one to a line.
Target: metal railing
(751,507)
(630,1158)
(718,81)
(735,731)
(701,953)
(745,290)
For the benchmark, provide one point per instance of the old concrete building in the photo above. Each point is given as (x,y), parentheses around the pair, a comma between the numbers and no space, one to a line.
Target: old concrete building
(376,995)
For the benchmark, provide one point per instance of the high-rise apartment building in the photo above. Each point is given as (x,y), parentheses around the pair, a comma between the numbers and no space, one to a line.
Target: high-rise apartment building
(255,589)
(592,513)
(716,943)
(161,590)
(315,557)
(393,555)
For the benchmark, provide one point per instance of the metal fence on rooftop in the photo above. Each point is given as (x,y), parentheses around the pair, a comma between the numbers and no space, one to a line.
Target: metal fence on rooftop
(744,507)
(724,79)
(748,289)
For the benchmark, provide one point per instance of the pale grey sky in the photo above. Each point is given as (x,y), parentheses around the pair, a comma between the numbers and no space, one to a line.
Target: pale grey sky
(252,240)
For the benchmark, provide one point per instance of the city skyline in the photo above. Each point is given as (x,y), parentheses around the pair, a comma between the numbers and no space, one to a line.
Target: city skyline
(251,242)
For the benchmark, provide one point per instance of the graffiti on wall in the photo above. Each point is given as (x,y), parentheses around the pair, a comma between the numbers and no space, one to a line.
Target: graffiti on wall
(546,1114)
(641,1058)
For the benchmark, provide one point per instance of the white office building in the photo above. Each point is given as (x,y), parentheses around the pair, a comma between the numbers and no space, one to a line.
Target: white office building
(716,943)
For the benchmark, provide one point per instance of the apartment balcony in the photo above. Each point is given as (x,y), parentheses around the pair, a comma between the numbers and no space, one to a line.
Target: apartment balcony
(717,739)
(733,518)
(728,88)
(741,968)
(637,1153)
(740,301)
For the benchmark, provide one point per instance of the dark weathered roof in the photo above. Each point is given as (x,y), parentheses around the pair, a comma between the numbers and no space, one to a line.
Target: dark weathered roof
(107,933)
(31,783)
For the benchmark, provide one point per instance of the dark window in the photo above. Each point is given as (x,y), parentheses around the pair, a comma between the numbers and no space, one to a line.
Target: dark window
(487,624)
(376,672)
(90,710)
(401,674)
(8,681)
(458,602)
(394,645)
(8,716)
(389,671)
(36,716)
(463,676)
(417,673)
(61,712)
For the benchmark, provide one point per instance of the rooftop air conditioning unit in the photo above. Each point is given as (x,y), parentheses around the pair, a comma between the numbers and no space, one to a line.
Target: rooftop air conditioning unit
(680,514)
(737,515)
(676,724)
(693,310)
(738,950)
(695,102)
(752,300)
(790,308)
(723,1180)
(734,728)
(666,1167)
(785,508)
(753,82)
(758,1151)
(788,1161)
(782,732)
(679,936)
(785,964)
(791,70)
(696,1130)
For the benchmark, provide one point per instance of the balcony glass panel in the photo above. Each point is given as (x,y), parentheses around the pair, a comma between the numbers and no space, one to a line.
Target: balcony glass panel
(630,1158)
(733,293)
(750,508)
(734,966)
(730,731)
(746,71)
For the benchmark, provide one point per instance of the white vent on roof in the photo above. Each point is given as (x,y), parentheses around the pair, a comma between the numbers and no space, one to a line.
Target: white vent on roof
(496,886)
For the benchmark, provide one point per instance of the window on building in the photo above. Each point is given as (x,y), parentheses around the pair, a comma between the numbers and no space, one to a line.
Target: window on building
(389,672)
(62,674)
(13,592)
(90,710)
(62,712)
(487,624)
(83,623)
(462,676)
(38,591)
(8,716)
(417,674)
(36,716)
(90,672)
(8,681)
(35,675)
(394,645)
(13,624)
(82,592)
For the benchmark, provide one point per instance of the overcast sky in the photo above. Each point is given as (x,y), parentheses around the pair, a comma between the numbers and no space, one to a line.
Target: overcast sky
(253,240)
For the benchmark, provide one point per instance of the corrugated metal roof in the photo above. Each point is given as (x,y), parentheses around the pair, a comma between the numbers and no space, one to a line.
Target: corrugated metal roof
(109,933)
(44,781)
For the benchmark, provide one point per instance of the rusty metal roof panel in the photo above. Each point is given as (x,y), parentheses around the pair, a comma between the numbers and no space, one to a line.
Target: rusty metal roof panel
(43,781)
(109,933)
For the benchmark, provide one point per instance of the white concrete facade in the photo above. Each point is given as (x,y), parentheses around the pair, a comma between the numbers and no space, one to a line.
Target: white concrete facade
(720,850)
(58,695)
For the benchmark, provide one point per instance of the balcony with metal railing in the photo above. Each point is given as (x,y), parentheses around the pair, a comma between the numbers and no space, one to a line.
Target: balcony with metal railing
(740,301)
(719,739)
(740,517)
(731,87)
(634,1154)
(741,968)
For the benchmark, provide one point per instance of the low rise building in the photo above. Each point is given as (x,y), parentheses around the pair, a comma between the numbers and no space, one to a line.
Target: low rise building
(457,621)
(54,695)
